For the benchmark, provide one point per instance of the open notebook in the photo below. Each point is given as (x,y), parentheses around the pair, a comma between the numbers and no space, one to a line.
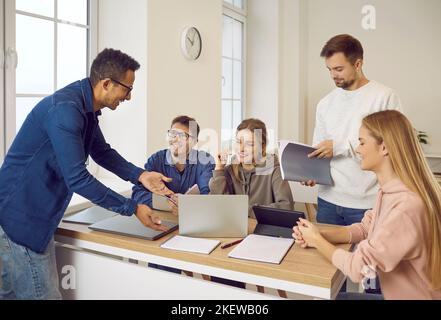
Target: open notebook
(262,248)
(189,244)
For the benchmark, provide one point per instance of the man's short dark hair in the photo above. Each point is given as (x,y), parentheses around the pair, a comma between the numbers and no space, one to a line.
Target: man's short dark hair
(185,120)
(346,44)
(111,63)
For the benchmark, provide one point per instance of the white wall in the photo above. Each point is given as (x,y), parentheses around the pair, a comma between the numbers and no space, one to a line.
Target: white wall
(123,25)
(285,75)
(262,93)
(292,70)
(177,86)
(403,53)
(167,84)
(276,75)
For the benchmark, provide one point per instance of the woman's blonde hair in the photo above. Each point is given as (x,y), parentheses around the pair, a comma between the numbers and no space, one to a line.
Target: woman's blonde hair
(258,128)
(409,163)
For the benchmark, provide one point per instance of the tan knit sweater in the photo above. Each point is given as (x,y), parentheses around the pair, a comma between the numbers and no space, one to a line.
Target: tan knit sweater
(263,185)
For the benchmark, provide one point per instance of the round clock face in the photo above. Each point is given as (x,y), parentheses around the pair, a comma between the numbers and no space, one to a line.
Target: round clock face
(191,43)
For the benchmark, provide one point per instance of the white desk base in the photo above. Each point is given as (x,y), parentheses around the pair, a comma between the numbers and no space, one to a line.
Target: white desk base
(89,270)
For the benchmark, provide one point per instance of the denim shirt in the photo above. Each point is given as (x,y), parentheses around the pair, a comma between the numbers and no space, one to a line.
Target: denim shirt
(46,165)
(198,170)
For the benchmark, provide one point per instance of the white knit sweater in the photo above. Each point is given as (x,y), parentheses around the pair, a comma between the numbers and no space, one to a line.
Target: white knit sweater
(338,118)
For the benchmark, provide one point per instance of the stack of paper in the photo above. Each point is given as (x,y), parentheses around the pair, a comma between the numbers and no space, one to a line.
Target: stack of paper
(262,248)
(189,244)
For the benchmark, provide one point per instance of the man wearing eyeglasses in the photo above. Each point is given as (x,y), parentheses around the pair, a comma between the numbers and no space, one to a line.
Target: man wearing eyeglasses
(46,164)
(183,164)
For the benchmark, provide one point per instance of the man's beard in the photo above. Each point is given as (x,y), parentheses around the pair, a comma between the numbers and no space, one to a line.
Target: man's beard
(179,156)
(345,84)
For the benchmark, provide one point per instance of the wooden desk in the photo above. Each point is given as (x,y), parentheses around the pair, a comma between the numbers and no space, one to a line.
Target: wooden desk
(111,266)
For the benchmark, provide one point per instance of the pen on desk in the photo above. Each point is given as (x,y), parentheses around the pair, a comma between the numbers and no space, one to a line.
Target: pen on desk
(227,245)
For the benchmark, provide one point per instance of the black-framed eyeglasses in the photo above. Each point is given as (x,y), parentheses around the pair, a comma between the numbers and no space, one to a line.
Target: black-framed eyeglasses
(129,89)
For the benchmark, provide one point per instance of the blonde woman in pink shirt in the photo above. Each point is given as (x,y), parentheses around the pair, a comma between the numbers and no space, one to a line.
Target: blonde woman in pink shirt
(399,241)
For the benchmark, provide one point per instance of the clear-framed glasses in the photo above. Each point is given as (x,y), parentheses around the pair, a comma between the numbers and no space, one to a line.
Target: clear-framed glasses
(172,134)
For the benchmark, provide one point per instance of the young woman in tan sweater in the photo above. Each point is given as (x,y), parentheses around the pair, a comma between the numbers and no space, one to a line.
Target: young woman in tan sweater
(253,172)
(399,241)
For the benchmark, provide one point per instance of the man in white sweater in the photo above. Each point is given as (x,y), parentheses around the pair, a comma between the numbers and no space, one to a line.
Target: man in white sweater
(338,120)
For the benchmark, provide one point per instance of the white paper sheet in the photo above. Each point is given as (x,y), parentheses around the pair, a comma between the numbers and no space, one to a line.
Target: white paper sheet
(190,244)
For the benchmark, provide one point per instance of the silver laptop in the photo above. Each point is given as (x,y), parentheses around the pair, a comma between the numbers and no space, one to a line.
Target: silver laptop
(213,216)
(132,227)
(90,215)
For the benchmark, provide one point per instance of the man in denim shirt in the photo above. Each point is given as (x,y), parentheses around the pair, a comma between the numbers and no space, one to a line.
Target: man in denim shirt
(180,162)
(183,164)
(46,165)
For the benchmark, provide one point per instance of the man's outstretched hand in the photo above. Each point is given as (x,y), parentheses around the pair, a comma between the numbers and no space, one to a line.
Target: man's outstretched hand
(154,181)
(145,215)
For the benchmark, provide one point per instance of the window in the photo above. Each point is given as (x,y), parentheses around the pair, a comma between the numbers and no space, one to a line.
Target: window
(2,83)
(49,46)
(236,3)
(233,68)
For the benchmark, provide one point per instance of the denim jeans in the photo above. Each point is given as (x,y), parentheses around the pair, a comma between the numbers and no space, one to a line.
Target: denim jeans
(332,214)
(27,274)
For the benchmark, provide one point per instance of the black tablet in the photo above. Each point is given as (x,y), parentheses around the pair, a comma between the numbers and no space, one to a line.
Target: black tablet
(275,221)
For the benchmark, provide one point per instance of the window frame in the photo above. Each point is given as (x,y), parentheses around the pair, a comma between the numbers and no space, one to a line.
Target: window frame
(10,92)
(2,83)
(235,9)
(240,15)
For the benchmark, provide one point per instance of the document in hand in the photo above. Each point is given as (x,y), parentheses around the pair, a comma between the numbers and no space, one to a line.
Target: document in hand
(193,190)
(262,248)
(296,166)
(160,202)
(189,244)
